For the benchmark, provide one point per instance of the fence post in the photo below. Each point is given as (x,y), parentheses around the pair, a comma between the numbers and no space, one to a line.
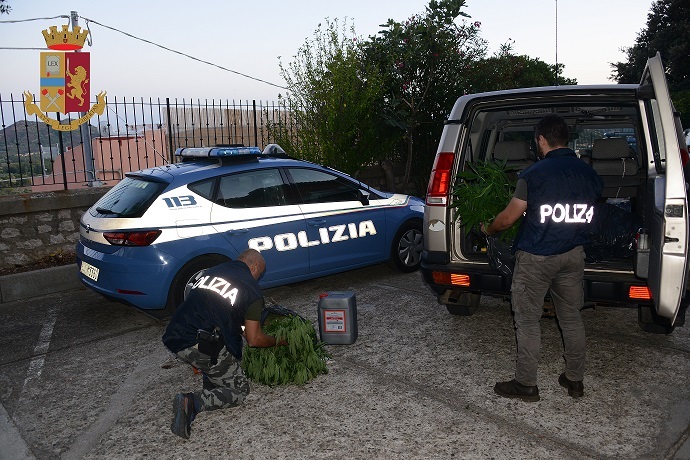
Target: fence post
(170,139)
(256,127)
(85,132)
(62,155)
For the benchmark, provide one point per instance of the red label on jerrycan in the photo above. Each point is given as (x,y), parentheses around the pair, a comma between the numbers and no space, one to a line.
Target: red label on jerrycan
(338,317)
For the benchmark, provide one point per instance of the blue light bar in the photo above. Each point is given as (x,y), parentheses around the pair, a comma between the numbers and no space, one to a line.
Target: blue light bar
(215,152)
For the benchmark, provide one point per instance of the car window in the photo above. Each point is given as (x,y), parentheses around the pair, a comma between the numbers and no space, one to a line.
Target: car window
(322,187)
(252,189)
(131,197)
(203,188)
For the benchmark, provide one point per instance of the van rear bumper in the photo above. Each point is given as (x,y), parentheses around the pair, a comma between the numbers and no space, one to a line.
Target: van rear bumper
(612,288)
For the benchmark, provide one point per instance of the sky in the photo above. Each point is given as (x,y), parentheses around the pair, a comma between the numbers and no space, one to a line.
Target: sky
(253,37)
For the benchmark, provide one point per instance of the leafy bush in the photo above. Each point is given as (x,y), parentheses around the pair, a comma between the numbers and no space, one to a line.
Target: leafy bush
(302,359)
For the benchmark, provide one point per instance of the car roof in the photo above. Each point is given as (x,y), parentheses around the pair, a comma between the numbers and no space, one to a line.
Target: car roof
(565,89)
(520,95)
(195,170)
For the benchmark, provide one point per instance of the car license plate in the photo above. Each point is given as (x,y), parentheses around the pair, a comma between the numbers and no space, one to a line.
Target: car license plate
(89,271)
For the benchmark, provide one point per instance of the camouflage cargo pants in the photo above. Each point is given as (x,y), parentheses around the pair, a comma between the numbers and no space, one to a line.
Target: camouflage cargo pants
(225,384)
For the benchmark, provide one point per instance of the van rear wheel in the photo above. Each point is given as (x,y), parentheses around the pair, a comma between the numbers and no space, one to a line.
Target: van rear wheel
(460,304)
(649,321)
(460,310)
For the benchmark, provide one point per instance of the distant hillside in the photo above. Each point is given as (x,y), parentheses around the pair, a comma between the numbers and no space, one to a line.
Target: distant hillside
(25,136)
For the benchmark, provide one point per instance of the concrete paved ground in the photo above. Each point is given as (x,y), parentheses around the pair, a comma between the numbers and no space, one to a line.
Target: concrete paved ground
(416,384)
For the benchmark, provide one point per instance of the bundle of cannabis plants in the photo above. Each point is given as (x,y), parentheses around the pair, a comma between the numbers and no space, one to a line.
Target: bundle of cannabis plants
(302,359)
(483,190)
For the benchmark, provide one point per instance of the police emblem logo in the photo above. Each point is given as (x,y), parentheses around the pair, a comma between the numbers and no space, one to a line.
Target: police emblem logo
(65,80)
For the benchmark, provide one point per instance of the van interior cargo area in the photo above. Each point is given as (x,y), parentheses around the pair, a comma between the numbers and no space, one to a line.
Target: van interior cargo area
(604,137)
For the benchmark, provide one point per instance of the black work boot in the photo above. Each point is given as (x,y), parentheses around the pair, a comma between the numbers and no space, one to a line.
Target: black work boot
(184,413)
(515,389)
(575,389)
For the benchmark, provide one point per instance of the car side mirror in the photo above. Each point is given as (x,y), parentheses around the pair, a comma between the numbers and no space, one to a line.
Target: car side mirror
(364,197)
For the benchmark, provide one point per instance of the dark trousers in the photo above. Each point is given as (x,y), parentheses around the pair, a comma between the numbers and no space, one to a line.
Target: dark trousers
(533,277)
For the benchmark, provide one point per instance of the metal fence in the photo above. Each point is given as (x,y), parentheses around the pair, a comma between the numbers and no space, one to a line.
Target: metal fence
(131,134)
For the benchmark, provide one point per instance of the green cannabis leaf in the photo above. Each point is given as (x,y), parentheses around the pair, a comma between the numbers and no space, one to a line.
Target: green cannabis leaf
(483,191)
(302,359)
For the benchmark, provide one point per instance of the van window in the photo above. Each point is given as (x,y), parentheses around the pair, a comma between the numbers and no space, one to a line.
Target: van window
(654,124)
(584,138)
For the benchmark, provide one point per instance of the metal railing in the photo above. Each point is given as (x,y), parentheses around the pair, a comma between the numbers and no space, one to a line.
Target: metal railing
(130,135)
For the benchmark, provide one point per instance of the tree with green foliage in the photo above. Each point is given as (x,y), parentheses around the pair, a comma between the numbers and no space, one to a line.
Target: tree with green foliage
(506,70)
(426,63)
(385,99)
(430,60)
(667,31)
(334,101)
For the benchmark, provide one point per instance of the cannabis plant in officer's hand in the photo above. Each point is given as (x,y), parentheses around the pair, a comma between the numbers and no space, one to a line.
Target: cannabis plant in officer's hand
(483,190)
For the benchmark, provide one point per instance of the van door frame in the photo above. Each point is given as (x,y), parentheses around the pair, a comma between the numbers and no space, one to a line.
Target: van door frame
(669,230)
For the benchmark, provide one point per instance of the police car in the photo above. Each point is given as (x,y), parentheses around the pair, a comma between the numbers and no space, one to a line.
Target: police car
(150,234)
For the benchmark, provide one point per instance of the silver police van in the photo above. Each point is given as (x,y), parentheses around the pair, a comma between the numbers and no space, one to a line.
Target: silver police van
(631,135)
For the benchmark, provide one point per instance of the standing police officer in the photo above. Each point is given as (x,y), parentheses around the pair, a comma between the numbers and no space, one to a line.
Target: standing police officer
(206,332)
(556,196)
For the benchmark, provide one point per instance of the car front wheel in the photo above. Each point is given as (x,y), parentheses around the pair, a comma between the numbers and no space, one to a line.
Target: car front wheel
(406,251)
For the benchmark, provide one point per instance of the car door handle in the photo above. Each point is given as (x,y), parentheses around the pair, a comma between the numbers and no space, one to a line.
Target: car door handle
(317,223)
(237,231)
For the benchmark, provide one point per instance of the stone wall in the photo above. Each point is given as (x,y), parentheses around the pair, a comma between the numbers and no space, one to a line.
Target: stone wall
(39,225)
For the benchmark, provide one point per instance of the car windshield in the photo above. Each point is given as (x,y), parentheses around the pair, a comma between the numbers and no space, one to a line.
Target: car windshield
(129,198)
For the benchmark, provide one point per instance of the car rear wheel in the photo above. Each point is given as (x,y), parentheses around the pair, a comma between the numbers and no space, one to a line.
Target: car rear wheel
(185,275)
(406,251)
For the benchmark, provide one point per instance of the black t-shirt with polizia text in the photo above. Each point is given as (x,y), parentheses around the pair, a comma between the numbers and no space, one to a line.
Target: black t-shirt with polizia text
(221,297)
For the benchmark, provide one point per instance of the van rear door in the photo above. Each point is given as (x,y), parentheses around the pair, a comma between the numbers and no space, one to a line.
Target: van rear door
(668,221)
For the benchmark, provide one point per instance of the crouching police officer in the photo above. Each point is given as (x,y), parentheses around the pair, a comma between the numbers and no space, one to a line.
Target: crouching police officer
(556,196)
(206,332)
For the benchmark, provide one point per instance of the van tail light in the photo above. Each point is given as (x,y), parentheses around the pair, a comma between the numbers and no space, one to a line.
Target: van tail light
(143,238)
(455,279)
(439,182)
(639,293)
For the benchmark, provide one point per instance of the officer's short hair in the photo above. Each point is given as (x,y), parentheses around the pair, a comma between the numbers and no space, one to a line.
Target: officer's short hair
(251,256)
(554,129)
